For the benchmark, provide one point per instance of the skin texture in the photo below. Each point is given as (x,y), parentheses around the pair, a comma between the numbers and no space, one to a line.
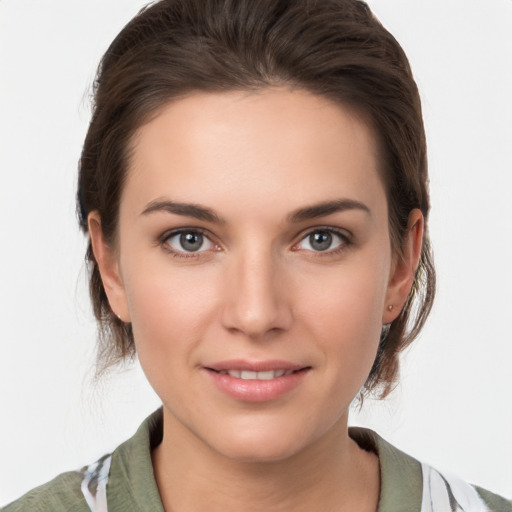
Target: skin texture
(257,289)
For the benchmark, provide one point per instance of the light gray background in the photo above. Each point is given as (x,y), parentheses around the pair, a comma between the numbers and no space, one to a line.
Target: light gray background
(453,406)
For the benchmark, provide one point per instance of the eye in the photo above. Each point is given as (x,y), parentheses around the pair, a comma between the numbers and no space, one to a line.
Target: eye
(188,241)
(323,240)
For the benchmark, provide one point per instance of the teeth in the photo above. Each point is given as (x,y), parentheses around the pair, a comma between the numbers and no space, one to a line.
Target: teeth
(249,375)
(265,375)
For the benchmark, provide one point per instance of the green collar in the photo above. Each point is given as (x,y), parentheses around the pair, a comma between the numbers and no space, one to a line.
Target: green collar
(132,482)
(400,475)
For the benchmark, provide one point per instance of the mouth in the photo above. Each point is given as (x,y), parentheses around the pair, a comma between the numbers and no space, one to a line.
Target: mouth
(258,375)
(256,381)
(256,370)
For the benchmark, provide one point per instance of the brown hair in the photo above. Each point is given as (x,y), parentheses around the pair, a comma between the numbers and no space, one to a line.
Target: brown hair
(333,48)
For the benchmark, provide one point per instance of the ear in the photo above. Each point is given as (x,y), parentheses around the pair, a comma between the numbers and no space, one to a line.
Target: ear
(108,264)
(404,268)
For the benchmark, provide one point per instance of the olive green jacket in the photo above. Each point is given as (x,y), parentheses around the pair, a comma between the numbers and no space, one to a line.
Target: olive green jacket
(124,482)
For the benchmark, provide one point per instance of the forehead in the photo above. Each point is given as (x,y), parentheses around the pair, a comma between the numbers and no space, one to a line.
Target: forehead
(274,145)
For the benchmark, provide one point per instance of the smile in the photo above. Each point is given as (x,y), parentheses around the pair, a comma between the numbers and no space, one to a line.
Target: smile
(256,381)
(252,375)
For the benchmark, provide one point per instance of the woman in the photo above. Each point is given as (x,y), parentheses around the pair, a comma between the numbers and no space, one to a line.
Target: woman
(253,184)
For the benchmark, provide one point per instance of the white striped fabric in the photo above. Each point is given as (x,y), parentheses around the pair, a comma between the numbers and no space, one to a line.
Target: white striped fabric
(442,493)
(94,484)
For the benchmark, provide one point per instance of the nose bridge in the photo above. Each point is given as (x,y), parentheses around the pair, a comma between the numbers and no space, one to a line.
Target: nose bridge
(255,301)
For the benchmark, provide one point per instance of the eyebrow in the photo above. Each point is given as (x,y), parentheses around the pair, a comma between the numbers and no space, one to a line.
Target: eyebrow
(185,209)
(326,208)
(208,215)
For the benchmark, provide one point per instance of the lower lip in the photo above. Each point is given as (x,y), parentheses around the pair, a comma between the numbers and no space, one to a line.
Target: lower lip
(256,390)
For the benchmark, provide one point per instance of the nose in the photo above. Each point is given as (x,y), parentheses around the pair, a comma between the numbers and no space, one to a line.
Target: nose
(255,296)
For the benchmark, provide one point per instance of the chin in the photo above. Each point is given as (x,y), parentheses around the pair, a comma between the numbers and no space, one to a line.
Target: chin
(259,449)
(263,441)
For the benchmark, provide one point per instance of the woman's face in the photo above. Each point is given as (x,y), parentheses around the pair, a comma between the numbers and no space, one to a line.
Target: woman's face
(254,263)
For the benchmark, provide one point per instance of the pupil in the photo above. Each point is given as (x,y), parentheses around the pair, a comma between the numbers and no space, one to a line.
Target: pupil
(320,241)
(191,241)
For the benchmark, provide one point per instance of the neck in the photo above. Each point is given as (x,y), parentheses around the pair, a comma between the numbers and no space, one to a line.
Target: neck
(332,473)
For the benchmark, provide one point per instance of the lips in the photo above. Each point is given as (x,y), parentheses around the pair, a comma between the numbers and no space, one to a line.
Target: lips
(256,381)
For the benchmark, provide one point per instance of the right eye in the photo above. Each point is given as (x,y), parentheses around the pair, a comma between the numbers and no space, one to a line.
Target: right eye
(323,240)
(188,241)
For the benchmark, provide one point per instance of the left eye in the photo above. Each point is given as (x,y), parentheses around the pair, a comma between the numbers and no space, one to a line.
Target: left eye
(189,241)
(322,240)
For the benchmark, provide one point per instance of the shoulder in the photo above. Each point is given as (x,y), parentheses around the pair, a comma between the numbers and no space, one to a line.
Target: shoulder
(408,485)
(62,494)
(74,491)
(128,471)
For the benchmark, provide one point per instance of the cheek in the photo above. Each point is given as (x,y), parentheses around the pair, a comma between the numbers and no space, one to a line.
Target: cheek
(170,308)
(350,299)
(343,311)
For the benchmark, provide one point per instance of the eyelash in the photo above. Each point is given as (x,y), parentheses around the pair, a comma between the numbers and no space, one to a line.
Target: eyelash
(346,242)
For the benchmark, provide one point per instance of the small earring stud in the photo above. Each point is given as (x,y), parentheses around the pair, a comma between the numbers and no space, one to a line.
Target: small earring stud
(390,307)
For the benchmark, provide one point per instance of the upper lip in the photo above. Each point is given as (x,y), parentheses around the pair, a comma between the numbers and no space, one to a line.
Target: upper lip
(254,366)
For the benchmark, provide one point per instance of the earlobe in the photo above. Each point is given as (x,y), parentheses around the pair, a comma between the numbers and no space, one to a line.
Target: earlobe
(404,267)
(108,264)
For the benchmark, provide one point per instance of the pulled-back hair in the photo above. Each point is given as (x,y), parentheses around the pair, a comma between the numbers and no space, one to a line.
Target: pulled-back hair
(333,48)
